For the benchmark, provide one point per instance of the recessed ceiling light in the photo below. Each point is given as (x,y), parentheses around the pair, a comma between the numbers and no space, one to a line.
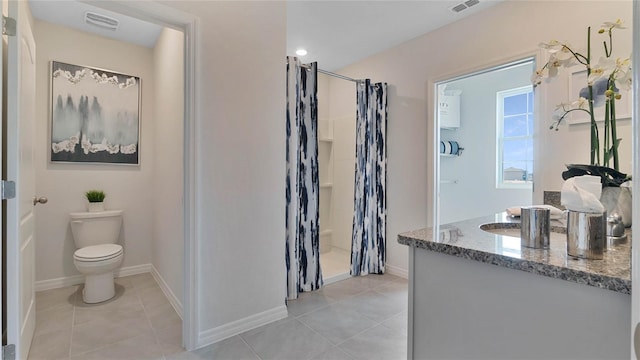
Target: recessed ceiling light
(301,52)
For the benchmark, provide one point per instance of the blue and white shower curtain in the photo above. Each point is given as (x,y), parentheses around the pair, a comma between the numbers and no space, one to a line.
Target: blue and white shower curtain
(368,251)
(302,181)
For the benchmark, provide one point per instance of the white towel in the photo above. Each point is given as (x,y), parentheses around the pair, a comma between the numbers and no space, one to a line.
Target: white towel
(554,212)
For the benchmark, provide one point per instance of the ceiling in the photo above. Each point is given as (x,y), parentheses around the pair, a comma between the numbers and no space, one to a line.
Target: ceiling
(339,33)
(335,33)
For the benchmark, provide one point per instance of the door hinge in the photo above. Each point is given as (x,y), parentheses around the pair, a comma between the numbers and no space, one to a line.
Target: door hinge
(9,352)
(8,26)
(7,190)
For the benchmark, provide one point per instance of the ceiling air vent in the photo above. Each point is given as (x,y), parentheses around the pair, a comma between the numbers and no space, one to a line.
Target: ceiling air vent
(102,21)
(470,3)
(459,8)
(465,5)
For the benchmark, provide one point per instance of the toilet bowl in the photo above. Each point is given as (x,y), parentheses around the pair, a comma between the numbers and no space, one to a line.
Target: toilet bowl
(97,256)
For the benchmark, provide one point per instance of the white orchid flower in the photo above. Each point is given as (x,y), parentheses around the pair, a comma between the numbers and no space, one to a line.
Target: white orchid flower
(581,103)
(618,24)
(551,45)
(603,68)
(623,79)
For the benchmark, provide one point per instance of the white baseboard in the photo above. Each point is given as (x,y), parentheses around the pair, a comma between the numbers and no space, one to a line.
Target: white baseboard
(43,285)
(175,302)
(397,271)
(234,328)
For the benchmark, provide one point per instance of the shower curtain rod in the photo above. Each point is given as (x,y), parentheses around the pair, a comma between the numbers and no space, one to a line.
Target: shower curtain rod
(306,66)
(338,76)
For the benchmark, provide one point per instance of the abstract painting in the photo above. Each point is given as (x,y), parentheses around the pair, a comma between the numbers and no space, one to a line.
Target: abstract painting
(95,115)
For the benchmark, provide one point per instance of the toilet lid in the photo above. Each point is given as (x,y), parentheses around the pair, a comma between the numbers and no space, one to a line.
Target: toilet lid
(98,252)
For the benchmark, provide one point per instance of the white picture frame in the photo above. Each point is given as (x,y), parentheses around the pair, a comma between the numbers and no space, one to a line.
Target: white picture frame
(578,81)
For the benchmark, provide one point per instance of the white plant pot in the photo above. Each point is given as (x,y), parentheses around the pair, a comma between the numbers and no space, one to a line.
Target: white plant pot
(96,206)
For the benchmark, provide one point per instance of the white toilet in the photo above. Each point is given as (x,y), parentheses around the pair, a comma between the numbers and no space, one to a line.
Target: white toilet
(95,235)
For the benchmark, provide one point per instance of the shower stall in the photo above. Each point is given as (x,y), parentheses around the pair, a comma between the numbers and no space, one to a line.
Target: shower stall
(336,159)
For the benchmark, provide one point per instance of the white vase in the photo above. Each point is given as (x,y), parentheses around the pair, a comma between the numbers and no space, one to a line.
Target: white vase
(96,206)
(617,200)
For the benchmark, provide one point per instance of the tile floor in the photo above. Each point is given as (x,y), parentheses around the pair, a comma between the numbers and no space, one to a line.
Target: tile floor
(138,323)
(358,318)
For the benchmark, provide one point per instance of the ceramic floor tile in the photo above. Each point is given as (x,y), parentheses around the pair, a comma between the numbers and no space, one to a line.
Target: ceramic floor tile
(288,341)
(307,302)
(170,335)
(95,334)
(115,311)
(233,348)
(56,298)
(375,306)
(152,297)
(54,319)
(333,354)
(142,281)
(163,316)
(50,345)
(398,323)
(378,343)
(267,326)
(337,322)
(343,289)
(138,347)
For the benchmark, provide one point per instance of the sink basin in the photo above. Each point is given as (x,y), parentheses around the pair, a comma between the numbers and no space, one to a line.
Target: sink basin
(504,229)
(513,229)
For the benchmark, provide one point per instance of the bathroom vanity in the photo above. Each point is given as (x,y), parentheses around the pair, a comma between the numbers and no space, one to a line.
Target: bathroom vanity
(476,293)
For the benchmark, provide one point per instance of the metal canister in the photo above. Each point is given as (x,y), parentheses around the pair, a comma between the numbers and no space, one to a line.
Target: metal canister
(535,227)
(586,234)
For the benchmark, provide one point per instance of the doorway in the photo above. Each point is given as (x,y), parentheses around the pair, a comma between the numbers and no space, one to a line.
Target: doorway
(186,24)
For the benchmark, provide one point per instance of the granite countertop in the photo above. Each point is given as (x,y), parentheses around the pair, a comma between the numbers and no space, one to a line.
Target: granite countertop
(465,239)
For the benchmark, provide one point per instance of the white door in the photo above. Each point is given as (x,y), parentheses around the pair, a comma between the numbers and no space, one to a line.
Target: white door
(20,217)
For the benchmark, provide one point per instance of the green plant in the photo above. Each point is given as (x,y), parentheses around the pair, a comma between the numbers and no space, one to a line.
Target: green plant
(95,196)
(604,79)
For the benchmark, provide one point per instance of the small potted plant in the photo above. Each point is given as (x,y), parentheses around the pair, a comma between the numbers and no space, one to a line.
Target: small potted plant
(96,200)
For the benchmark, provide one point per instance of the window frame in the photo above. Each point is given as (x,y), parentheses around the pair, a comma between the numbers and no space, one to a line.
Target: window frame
(500,96)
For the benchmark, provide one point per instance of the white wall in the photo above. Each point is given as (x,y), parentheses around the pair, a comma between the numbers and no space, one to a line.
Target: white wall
(504,31)
(325,163)
(127,187)
(240,160)
(168,163)
(475,192)
(343,117)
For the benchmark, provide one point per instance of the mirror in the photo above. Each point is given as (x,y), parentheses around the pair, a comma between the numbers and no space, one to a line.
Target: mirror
(486,141)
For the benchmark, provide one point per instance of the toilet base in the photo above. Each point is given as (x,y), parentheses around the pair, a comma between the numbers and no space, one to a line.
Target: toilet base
(98,288)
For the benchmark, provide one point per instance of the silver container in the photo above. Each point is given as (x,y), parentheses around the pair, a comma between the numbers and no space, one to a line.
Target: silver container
(586,234)
(534,227)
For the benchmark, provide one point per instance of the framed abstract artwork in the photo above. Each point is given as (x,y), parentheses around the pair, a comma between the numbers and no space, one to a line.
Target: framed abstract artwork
(95,115)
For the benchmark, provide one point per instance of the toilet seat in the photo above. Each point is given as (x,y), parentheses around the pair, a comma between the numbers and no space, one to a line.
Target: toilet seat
(98,252)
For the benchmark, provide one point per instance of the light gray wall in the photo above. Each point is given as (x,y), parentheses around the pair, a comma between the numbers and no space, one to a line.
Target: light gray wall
(168,125)
(240,159)
(475,193)
(127,187)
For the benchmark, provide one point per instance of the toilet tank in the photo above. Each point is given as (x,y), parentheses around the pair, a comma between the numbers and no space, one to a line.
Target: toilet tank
(96,228)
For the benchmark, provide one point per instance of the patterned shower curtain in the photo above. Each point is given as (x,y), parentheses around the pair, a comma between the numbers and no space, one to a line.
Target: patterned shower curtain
(370,210)
(302,182)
